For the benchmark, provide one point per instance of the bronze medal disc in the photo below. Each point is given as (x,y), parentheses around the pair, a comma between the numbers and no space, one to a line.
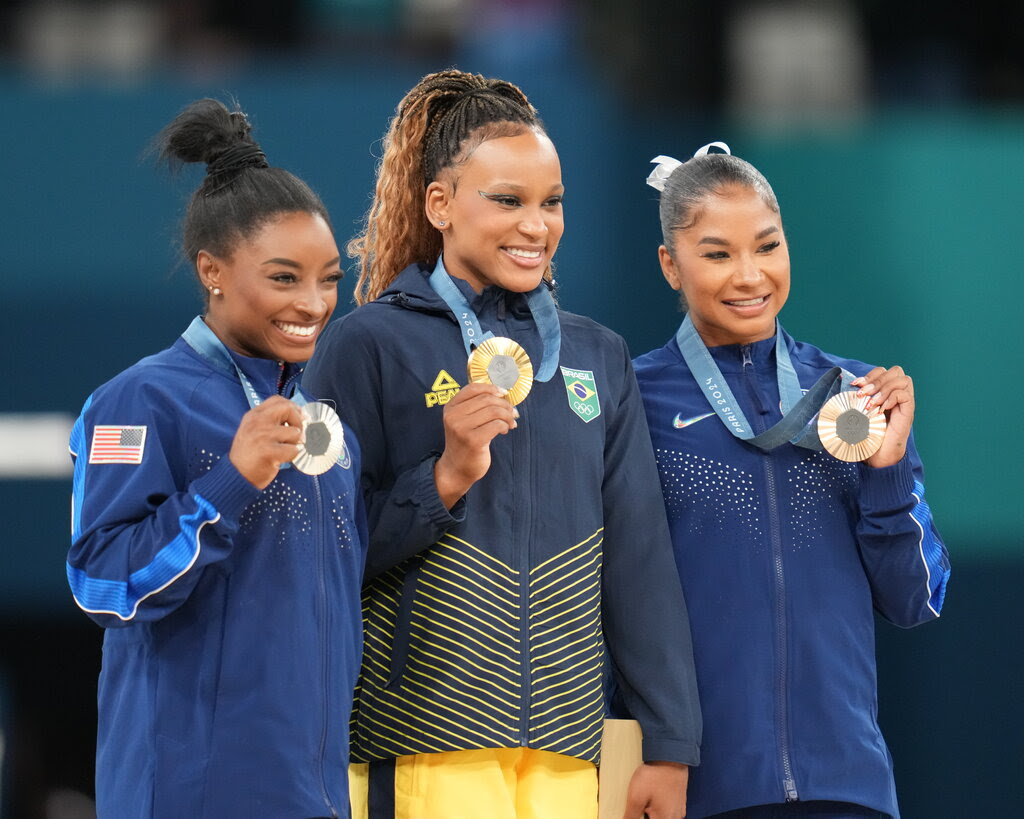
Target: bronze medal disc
(503,363)
(324,439)
(849,431)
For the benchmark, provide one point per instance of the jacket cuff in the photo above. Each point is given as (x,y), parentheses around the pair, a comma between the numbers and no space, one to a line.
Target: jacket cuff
(888,487)
(224,488)
(430,502)
(671,750)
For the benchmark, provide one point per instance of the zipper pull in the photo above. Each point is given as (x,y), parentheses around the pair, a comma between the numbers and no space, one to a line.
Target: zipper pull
(791,794)
(745,352)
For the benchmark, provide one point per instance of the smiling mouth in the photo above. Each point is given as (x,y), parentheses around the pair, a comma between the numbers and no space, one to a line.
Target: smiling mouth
(747,302)
(297,330)
(522,254)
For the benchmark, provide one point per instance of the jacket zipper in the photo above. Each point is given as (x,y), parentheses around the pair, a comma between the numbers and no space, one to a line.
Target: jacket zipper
(781,649)
(324,642)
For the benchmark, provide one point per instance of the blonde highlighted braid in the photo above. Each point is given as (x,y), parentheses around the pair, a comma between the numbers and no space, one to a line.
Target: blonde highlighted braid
(435,126)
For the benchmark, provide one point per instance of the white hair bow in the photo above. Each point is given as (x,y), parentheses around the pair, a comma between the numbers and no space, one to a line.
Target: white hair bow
(664,165)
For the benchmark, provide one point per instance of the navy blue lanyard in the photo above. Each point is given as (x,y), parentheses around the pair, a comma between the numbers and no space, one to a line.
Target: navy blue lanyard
(542,307)
(798,408)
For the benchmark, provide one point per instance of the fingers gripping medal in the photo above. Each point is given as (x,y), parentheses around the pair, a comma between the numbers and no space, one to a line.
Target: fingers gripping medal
(849,431)
(503,363)
(324,439)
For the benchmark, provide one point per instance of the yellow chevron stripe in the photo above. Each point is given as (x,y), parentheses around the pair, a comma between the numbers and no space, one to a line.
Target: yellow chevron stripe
(425,718)
(366,733)
(462,627)
(589,635)
(429,627)
(593,564)
(592,617)
(461,660)
(492,726)
(489,618)
(589,682)
(540,566)
(446,575)
(549,605)
(488,575)
(587,604)
(586,723)
(461,691)
(448,536)
(460,650)
(551,678)
(585,651)
(460,678)
(593,703)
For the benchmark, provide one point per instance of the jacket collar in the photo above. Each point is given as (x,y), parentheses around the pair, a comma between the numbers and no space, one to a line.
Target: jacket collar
(411,289)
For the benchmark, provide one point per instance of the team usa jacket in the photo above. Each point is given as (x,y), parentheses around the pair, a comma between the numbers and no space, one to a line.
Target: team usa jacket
(783,558)
(232,614)
(487,626)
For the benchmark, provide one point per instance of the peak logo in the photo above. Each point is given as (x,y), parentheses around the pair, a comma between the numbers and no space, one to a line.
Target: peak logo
(442,390)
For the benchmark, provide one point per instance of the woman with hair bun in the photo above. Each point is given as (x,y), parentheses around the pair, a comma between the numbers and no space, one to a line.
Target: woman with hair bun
(788,534)
(516,524)
(226,578)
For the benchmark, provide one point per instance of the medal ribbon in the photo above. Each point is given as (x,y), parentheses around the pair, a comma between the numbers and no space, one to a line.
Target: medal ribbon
(204,341)
(798,408)
(542,307)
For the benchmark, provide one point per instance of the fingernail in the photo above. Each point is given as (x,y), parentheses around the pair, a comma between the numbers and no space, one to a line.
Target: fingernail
(515,412)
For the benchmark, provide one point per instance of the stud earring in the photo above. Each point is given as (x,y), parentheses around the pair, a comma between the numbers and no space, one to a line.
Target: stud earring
(441,223)
(216,291)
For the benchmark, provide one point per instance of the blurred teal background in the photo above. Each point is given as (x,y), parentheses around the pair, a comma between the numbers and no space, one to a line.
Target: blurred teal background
(903,220)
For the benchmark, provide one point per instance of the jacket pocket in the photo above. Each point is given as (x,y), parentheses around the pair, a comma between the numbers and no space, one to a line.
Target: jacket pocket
(403,621)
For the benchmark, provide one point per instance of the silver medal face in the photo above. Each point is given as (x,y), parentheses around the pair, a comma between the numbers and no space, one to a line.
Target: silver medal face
(324,439)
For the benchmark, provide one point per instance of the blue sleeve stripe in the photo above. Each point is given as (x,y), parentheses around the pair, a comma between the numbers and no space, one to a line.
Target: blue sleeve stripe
(98,596)
(77,447)
(932,553)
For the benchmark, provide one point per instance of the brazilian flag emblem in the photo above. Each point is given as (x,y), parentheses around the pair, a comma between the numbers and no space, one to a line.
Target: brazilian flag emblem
(581,391)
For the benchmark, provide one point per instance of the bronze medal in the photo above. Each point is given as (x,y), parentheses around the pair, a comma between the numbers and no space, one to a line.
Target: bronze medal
(849,431)
(503,363)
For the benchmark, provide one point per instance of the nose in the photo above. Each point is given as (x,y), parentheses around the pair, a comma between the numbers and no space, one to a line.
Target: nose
(533,224)
(748,271)
(310,302)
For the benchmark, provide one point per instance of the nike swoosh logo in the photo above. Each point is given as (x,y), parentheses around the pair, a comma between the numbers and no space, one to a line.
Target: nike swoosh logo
(680,423)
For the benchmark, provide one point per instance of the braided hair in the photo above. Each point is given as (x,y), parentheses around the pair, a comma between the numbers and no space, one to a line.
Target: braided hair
(437,125)
(240,192)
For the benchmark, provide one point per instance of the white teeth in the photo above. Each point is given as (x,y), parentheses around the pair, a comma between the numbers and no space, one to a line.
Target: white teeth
(746,302)
(296,329)
(526,254)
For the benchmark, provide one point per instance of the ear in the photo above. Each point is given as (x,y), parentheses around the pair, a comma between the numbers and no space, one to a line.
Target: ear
(209,269)
(669,269)
(437,203)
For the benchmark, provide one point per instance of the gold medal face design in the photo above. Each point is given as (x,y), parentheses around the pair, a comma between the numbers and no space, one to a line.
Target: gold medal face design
(847,430)
(324,439)
(503,363)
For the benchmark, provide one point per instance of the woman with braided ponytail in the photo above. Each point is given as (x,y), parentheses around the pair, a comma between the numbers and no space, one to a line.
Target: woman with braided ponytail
(516,531)
(226,578)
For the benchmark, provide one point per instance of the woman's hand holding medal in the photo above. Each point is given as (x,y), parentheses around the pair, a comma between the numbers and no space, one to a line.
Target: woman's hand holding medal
(892,391)
(472,418)
(267,436)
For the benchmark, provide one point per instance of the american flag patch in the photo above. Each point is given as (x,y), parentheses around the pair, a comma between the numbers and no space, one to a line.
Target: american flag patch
(117,445)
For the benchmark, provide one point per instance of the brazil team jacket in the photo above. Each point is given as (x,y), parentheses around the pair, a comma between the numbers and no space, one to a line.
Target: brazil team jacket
(484,626)
(232,614)
(783,558)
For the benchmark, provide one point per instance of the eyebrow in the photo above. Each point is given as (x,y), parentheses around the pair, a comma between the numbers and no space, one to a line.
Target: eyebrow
(512,187)
(296,265)
(714,240)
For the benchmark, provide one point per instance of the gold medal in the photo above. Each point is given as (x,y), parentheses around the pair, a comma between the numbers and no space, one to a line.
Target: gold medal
(503,363)
(324,439)
(849,431)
